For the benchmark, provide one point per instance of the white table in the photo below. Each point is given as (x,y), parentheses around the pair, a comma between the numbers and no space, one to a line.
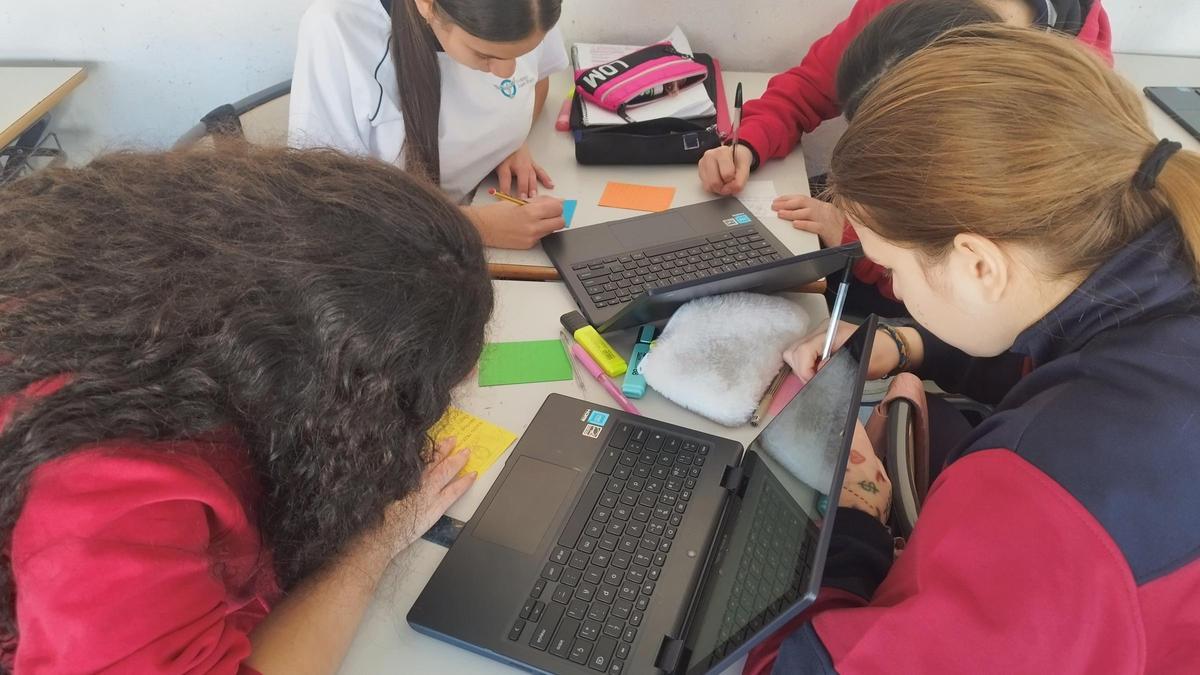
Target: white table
(529,311)
(1144,70)
(555,152)
(27,93)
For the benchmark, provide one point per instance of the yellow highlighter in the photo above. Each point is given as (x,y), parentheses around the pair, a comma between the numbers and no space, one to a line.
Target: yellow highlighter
(596,347)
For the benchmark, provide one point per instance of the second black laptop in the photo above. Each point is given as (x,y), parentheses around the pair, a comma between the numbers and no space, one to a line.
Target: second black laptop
(633,271)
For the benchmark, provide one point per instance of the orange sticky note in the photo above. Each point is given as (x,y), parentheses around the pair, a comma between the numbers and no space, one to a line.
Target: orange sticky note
(637,197)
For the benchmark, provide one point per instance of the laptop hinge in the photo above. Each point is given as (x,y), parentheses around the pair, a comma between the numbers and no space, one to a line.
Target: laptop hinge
(672,655)
(735,480)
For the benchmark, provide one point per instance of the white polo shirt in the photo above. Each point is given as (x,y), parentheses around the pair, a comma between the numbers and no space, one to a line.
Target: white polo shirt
(345,95)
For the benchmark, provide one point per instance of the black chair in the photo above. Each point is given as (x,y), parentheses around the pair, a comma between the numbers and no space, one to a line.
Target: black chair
(908,468)
(260,118)
(35,143)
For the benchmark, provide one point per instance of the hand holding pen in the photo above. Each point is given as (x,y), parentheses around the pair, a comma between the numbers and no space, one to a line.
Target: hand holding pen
(724,170)
(807,355)
(515,223)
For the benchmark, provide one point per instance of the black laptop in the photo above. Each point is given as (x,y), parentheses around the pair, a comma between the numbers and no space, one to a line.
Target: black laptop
(617,544)
(1181,103)
(629,272)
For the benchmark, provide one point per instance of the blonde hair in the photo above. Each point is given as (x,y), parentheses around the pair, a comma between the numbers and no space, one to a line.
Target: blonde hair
(1016,135)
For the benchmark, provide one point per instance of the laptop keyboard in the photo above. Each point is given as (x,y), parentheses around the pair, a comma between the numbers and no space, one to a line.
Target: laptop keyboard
(595,588)
(616,280)
(774,565)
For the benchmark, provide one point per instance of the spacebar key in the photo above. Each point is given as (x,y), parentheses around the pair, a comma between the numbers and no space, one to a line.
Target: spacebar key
(579,517)
(545,628)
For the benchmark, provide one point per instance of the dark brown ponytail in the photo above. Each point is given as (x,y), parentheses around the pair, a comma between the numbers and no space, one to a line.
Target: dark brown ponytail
(894,34)
(418,77)
(414,50)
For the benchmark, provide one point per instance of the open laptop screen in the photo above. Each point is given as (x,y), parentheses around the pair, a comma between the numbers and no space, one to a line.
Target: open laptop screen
(769,551)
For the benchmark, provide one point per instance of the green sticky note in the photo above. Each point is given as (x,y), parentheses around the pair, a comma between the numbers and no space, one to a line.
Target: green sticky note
(523,362)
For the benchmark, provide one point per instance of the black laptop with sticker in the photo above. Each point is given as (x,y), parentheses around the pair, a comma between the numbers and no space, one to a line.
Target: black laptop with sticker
(619,544)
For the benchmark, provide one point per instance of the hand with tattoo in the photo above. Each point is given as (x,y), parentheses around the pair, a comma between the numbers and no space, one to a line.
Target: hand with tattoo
(866,486)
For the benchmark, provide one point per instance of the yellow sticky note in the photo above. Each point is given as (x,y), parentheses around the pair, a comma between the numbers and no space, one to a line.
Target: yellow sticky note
(637,197)
(485,440)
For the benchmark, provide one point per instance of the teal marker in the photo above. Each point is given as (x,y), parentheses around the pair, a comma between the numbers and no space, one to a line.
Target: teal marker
(634,385)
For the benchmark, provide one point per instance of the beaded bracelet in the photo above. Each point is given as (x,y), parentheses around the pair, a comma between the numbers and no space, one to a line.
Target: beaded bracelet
(901,347)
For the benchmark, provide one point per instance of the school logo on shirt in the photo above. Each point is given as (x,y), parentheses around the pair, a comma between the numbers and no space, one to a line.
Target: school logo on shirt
(509,87)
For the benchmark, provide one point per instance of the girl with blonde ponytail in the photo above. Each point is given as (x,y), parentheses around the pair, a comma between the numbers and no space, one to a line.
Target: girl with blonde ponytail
(1047,244)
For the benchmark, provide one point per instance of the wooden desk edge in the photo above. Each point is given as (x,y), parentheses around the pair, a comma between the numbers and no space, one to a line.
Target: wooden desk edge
(510,272)
(44,106)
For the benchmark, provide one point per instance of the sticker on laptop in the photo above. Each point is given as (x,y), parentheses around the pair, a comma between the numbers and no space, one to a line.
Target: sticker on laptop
(598,418)
(741,218)
(592,431)
(729,222)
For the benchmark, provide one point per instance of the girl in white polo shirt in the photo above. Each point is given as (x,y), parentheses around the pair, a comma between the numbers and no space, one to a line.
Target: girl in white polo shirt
(452,84)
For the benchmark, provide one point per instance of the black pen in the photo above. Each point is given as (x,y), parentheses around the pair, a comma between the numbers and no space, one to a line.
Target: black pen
(737,115)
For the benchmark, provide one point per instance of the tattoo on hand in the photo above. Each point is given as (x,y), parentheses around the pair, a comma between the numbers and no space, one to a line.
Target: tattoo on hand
(869,486)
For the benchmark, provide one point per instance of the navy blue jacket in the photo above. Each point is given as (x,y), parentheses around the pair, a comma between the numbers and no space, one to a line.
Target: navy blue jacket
(1064,535)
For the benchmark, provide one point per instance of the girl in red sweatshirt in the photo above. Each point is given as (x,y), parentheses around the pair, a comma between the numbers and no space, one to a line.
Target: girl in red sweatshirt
(876,36)
(217,376)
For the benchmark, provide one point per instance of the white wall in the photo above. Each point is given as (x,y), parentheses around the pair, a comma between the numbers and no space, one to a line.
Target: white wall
(1155,26)
(156,66)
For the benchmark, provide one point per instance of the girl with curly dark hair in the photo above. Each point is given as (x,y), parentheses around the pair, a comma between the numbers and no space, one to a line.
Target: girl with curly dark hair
(217,377)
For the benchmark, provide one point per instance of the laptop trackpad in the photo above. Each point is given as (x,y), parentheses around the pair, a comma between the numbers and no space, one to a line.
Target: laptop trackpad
(526,504)
(646,232)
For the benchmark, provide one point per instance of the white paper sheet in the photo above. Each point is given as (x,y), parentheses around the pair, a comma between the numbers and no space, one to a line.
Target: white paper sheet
(757,196)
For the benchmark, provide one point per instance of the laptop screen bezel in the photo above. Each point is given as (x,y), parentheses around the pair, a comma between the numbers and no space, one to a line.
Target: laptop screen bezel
(862,340)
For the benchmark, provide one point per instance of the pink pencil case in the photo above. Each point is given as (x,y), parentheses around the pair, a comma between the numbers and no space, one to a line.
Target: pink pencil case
(639,78)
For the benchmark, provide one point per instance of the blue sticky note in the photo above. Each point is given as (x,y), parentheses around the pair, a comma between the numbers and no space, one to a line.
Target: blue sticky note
(569,210)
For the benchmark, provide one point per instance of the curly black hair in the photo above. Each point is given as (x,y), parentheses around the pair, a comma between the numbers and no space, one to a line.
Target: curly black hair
(321,306)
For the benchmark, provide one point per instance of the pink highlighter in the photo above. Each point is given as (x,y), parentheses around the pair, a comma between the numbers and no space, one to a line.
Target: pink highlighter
(590,365)
(563,123)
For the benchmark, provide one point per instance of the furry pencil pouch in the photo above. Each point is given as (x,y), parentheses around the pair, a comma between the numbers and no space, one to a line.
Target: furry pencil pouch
(718,355)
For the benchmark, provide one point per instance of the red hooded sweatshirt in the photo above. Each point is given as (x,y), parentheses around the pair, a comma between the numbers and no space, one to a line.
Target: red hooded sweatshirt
(137,557)
(798,100)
